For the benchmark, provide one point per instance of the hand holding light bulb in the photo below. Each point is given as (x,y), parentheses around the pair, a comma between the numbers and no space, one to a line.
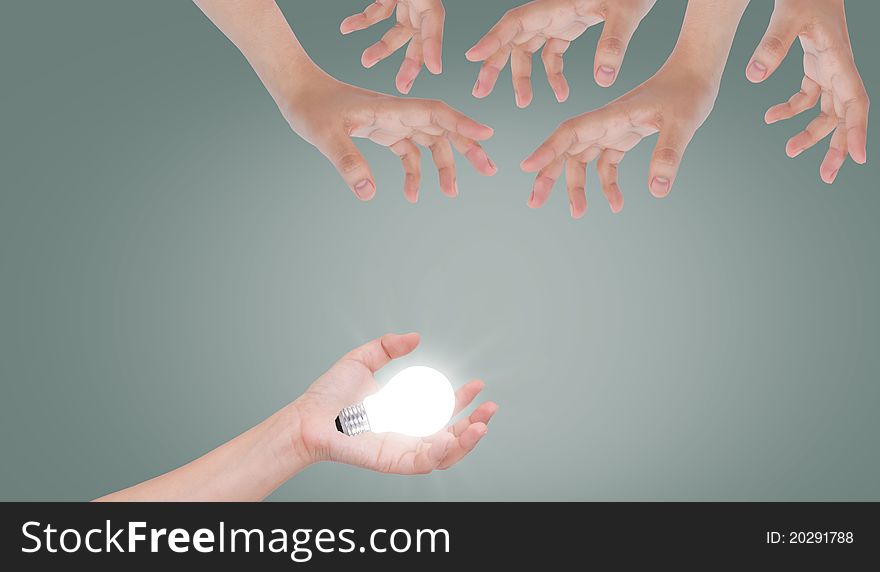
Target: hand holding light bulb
(418,401)
(428,446)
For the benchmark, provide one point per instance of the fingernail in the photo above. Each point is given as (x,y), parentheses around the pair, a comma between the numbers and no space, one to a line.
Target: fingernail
(476,88)
(605,75)
(491,162)
(455,186)
(571,208)
(660,186)
(364,189)
(531,198)
(757,70)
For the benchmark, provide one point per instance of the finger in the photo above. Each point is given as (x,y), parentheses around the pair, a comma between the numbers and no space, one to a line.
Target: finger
(482,414)
(432,37)
(499,36)
(411,157)
(521,73)
(671,145)
(489,72)
(375,12)
(606,166)
(354,169)
(616,34)
(466,394)
(575,181)
(856,119)
(551,55)
(835,156)
(773,48)
(463,445)
(805,99)
(431,452)
(445,162)
(411,66)
(454,121)
(377,353)
(544,183)
(474,153)
(575,133)
(393,40)
(560,141)
(816,130)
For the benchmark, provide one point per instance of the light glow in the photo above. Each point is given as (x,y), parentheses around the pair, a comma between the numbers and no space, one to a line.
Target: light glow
(418,401)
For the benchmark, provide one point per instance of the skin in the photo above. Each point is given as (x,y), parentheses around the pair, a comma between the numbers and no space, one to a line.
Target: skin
(674,103)
(553,25)
(329,114)
(419,27)
(830,79)
(251,466)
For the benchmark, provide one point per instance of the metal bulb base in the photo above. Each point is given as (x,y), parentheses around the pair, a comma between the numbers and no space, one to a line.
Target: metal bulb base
(353,420)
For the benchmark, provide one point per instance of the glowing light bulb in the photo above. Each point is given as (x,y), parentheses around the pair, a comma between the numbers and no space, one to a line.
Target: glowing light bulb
(418,402)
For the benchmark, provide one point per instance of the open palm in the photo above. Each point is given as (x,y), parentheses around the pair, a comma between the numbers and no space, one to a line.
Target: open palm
(348,382)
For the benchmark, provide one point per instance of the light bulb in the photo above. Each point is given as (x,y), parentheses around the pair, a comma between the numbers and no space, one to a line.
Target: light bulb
(418,402)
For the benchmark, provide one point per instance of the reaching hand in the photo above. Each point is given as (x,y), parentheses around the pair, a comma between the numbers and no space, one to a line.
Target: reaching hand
(554,24)
(830,76)
(674,102)
(348,382)
(330,113)
(419,22)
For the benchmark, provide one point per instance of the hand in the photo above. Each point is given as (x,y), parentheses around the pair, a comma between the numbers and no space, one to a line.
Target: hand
(329,113)
(830,76)
(675,102)
(348,382)
(554,24)
(419,22)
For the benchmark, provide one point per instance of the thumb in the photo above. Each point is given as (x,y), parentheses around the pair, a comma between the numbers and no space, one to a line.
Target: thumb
(773,48)
(616,34)
(352,166)
(670,148)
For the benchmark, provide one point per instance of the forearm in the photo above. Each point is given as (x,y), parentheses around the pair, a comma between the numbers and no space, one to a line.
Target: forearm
(247,468)
(260,31)
(707,35)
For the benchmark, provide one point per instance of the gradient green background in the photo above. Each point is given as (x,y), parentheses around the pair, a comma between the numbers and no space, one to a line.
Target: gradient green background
(175,265)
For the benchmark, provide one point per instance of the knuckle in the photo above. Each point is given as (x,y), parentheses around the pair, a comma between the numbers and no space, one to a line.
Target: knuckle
(774,46)
(349,162)
(612,46)
(666,156)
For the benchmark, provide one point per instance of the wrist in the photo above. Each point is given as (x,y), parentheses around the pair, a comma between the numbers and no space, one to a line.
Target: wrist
(284,442)
(705,39)
(307,91)
(693,70)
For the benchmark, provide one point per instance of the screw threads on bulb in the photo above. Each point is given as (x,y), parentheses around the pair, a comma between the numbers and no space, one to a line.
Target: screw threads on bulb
(353,420)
